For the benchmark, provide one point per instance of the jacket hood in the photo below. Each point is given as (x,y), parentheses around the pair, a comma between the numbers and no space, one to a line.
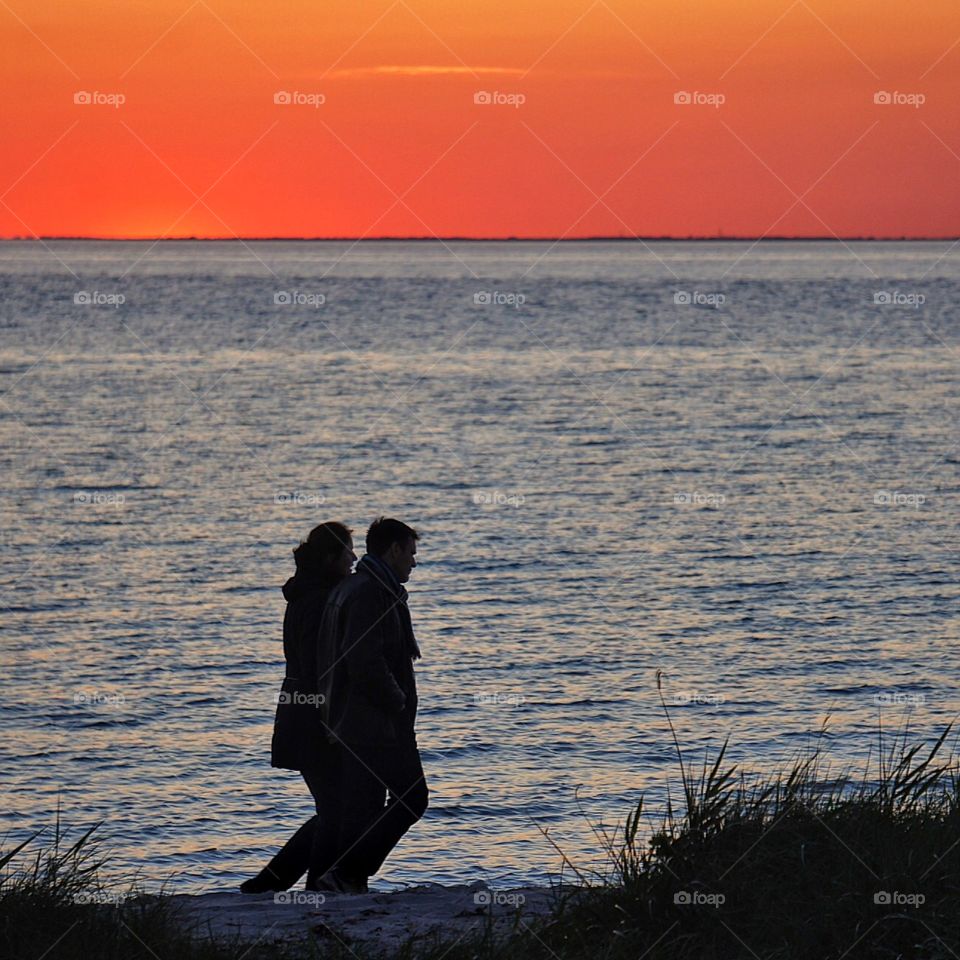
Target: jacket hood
(300,584)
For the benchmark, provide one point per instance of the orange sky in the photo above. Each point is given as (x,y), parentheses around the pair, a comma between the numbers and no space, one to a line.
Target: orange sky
(598,147)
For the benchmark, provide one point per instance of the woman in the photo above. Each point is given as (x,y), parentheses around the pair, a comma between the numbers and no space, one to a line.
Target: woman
(323,560)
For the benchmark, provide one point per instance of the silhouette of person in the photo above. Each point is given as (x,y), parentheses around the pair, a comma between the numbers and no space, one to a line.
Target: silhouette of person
(300,741)
(369,704)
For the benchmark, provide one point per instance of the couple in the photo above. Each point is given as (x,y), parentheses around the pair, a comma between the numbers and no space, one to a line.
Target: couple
(346,711)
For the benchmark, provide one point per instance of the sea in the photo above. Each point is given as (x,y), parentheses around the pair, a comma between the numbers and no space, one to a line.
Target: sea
(670,494)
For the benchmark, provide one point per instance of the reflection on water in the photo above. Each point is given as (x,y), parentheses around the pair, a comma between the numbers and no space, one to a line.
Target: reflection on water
(757,498)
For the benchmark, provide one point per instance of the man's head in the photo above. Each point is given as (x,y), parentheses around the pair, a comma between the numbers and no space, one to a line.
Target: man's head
(395,544)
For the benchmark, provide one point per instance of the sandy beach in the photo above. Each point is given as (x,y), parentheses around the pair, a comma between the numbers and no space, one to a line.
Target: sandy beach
(376,919)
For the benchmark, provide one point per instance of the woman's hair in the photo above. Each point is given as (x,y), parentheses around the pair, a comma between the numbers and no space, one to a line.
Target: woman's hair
(322,545)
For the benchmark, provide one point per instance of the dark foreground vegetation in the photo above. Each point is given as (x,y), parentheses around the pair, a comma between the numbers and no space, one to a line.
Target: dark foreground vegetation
(796,866)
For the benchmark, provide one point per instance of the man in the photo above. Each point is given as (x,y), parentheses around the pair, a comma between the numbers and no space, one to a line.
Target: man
(366,678)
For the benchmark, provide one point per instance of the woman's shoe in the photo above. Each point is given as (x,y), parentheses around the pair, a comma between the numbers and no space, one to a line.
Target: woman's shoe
(263,882)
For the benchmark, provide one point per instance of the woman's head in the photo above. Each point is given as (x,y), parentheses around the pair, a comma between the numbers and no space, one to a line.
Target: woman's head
(327,551)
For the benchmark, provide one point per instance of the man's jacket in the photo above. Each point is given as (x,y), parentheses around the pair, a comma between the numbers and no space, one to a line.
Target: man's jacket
(365,660)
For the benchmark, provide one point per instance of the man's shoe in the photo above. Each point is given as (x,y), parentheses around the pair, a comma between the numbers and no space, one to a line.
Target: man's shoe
(320,884)
(335,882)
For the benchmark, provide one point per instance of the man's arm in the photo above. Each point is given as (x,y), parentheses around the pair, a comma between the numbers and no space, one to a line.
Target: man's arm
(364,622)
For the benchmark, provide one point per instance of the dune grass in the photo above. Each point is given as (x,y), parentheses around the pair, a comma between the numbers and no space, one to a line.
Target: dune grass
(54,905)
(794,866)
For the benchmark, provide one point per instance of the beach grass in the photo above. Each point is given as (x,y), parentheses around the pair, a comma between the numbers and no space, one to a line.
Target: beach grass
(53,904)
(803,864)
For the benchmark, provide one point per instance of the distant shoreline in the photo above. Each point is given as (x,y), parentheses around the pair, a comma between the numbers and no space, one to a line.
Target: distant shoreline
(660,239)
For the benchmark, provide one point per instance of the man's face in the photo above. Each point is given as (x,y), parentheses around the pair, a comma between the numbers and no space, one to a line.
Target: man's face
(402,558)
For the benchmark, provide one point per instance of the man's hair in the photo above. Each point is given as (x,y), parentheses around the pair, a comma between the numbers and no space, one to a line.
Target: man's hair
(384,532)
(323,543)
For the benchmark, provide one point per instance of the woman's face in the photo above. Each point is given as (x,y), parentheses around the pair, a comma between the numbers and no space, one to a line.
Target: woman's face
(343,563)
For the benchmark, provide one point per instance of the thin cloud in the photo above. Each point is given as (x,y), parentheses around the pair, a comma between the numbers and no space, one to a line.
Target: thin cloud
(432,70)
(424,70)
